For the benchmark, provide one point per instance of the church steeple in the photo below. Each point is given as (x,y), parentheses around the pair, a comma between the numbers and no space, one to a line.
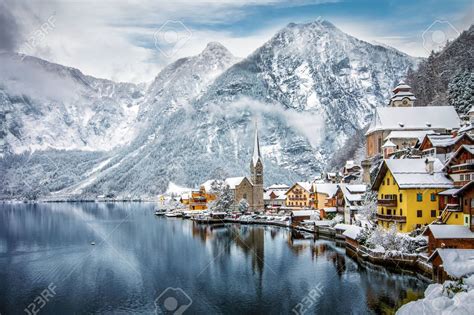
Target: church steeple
(256,147)
(256,165)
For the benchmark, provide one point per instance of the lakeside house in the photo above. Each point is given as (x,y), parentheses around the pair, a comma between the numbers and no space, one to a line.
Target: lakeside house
(274,196)
(325,198)
(349,199)
(452,263)
(299,196)
(448,236)
(443,146)
(408,192)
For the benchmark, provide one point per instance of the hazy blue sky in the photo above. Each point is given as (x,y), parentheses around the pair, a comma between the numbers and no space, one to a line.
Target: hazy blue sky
(119,39)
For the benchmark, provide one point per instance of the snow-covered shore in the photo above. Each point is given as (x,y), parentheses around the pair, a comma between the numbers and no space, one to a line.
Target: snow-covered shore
(451,297)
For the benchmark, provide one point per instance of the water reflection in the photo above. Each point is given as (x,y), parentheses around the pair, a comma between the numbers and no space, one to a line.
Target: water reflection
(226,268)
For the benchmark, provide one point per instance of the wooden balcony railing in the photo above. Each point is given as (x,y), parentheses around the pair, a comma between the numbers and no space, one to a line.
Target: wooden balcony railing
(387,202)
(395,218)
(462,167)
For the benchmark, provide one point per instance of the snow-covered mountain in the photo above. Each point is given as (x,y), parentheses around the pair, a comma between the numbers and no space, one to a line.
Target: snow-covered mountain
(49,106)
(311,87)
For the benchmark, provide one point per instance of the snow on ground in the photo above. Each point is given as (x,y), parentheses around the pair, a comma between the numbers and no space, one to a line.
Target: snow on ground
(444,299)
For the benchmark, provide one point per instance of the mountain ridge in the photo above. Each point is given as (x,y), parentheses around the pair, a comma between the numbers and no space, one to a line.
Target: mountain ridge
(311,87)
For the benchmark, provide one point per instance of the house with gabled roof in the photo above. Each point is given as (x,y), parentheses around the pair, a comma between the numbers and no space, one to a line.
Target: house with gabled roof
(439,119)
(349,199)
(443,146)
(408,192)
(300,196)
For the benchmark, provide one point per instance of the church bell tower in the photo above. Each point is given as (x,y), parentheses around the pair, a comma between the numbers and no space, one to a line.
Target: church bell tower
(256,173)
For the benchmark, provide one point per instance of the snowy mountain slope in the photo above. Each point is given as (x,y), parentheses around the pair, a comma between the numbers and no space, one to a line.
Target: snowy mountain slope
(311,87)
(49,106)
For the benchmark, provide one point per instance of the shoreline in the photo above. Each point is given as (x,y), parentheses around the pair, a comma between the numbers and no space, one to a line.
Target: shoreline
(413,263)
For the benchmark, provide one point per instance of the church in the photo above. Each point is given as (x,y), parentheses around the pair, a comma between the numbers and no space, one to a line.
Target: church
(250,189)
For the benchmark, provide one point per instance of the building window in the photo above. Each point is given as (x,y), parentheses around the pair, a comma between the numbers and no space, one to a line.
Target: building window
(419,213)
(401,197)
(433,197)
(433,213)
(419,197)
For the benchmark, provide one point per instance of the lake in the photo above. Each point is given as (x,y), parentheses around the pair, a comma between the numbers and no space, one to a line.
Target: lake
(139,262)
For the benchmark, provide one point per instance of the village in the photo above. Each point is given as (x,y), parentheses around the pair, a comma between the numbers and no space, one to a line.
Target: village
(408,204)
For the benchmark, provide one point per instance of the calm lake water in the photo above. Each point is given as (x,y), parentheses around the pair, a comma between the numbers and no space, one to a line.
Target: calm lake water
(47,263)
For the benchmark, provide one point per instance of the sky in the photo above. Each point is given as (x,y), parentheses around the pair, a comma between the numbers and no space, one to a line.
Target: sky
(132,40)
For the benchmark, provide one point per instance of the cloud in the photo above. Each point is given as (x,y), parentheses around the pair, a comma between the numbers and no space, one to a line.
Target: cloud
(10,34)
(27,77)
(309,125)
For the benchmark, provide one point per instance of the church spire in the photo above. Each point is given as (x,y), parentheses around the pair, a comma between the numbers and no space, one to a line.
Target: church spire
(256,147)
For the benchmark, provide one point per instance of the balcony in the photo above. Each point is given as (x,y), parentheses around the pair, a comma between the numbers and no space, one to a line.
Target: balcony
(462,167)
(392,218)
(387,202)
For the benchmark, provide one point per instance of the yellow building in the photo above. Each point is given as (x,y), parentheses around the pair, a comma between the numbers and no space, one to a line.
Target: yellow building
(408,193)
(300,196)
(199,199)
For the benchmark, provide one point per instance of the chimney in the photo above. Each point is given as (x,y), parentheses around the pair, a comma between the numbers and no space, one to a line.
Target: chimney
(429,163)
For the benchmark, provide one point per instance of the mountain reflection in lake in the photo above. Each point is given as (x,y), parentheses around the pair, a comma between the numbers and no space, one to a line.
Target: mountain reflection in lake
(225,268)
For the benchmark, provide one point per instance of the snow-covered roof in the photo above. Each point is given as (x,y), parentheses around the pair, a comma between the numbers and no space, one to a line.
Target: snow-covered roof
(278,187)
(350,164)
(352,232)
(342,226)
(359,188)
(328,189)
(302,213)
(389,144)
(456,262)
(207,185)
(353,193)
(401,86)
(444,140)
(446,231)
(234,181)
(306,185)
(412,173)
(408,134)
(280,195)
(415,118)
(467,147)
(449,192)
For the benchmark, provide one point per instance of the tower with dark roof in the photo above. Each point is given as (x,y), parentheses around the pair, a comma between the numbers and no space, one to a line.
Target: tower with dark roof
(256,173)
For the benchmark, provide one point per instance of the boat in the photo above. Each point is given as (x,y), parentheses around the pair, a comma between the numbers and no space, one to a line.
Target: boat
(174,214)
(160,211)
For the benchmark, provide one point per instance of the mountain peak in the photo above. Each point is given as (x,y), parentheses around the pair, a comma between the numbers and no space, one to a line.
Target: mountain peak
(216,48)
